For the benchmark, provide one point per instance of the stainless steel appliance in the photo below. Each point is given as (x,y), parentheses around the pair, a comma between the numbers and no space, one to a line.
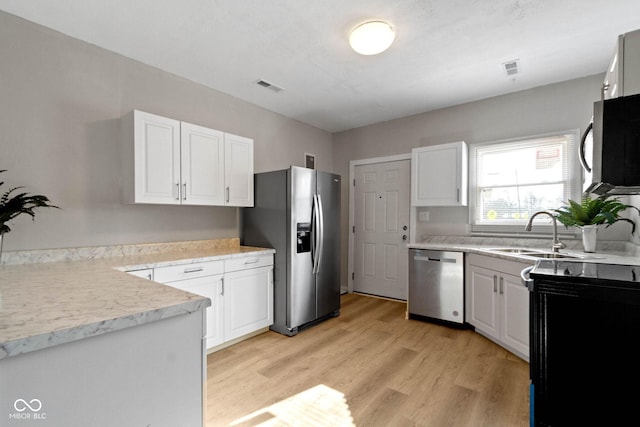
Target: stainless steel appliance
(297,212)
(610,147)
(436,286)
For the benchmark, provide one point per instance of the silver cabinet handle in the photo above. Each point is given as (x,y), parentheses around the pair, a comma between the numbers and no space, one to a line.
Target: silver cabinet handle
(254,261)
(177,191)
(495,284)
(227,194)
(501,285)
(222,287)
(184,194)
(193,270)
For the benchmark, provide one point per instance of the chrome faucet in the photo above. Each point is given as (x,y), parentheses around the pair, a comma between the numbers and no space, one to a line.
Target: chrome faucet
(557,244)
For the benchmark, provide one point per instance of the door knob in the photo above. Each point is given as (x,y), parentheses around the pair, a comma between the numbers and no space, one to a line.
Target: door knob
(404,237)
(404,227)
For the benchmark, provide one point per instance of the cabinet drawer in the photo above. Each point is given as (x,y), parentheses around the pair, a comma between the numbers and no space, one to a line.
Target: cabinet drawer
(243,263)
(188,271)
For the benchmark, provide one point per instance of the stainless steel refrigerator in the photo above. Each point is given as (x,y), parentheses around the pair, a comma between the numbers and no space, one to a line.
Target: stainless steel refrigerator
(297,212)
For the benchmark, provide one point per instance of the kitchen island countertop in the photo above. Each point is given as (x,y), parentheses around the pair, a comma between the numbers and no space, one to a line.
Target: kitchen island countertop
(46,304)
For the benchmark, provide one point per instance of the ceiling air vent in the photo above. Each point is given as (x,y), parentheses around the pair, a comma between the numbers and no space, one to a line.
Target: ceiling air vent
(512,67)
(269,85)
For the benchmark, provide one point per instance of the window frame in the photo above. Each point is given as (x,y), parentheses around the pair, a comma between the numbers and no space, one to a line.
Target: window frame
(542,223)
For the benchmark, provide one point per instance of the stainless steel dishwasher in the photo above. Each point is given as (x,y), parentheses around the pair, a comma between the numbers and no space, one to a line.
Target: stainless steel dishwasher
(436,286)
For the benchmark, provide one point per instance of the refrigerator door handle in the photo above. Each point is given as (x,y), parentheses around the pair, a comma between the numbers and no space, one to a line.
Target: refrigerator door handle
(320,240)
(314,227)
(314,235)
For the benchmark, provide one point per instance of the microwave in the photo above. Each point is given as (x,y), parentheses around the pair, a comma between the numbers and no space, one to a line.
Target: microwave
(610,147)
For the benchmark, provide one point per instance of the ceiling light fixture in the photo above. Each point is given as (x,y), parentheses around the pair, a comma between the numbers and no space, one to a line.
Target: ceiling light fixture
(372,37)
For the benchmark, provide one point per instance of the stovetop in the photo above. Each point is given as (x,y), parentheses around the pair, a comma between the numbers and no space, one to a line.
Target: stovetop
(586,270)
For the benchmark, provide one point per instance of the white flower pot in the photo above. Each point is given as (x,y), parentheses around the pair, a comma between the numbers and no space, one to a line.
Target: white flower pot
(589,237)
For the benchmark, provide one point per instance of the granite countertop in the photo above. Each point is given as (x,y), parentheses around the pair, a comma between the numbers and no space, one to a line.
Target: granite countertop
(615,254)
(49,303)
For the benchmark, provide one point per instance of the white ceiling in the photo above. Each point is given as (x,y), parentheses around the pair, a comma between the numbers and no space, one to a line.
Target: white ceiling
(446,52)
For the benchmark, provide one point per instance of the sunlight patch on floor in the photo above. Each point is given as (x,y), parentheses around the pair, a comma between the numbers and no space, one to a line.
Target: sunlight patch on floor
(319,406)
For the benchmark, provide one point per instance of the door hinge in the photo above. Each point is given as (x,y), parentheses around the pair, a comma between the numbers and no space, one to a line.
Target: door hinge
(354,182)
(353,229)
(353,276)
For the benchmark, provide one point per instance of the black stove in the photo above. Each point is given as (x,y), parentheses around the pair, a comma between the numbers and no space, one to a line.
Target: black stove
(584,326)
(585,271)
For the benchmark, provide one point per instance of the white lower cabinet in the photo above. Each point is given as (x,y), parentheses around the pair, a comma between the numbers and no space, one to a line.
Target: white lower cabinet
(203,279)
(210,287)
(248,301)
(240,290)
(497,304)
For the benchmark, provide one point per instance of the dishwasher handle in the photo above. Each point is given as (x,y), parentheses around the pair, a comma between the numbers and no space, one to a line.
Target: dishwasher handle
(430,258)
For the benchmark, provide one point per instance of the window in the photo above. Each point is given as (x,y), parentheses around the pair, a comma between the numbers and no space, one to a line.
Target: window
(511,180)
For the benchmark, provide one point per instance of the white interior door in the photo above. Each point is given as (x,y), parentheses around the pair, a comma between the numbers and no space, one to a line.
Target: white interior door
(381,234)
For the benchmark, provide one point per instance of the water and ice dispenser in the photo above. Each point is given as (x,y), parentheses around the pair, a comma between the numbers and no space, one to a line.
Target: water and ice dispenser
(303,237)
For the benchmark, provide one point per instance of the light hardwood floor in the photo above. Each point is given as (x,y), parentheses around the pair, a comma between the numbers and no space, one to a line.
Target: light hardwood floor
(368,367)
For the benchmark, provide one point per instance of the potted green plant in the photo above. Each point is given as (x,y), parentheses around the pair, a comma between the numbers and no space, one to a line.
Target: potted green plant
(590,213)
(14,204)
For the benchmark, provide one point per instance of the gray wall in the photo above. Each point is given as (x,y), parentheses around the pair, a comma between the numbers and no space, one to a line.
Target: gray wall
(60,105)
(562,106)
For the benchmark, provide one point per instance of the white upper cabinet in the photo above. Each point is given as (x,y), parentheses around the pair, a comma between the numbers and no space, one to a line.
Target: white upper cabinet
(238,172)
(623,75)
(156,154)
(439,175)
(173,162)
(202,154)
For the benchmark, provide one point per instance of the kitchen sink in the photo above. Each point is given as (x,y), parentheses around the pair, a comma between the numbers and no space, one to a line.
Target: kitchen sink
(514,250)
(550,255)
(533,253)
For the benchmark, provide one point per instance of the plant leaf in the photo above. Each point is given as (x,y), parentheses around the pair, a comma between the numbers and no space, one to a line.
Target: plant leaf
(13,205)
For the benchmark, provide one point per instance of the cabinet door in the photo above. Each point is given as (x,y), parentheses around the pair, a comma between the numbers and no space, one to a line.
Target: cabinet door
(630,66)
(202,154)
(210,287)
(248,301)
(485,302)
(515,313)
(613,78)
(439,175)
(238,164)
(156,159)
